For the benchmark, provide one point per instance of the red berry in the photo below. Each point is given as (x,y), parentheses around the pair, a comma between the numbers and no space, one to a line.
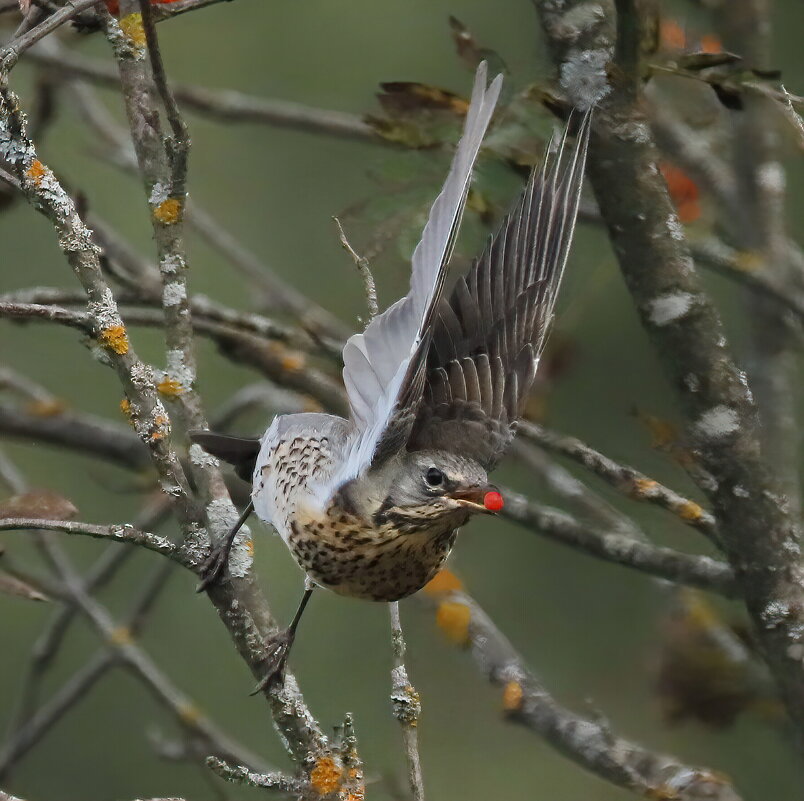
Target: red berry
(493,501)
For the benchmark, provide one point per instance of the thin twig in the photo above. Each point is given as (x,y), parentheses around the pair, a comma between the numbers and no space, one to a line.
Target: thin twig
(364,268)
(14,49)
(407,705)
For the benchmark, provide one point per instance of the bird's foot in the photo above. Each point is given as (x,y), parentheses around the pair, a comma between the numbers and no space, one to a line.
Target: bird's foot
(278,648)
(212,569)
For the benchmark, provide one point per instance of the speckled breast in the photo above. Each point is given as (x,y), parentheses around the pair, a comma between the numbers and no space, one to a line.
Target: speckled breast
(382,563)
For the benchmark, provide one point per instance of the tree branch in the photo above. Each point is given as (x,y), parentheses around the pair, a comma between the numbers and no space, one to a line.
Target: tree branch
(758,533)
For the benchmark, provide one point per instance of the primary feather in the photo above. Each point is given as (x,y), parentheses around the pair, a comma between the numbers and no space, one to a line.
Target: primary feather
(384,365)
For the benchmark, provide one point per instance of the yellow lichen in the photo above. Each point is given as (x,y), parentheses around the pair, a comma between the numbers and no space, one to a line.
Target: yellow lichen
(115,338)
(326,776)
(51,407)
(189,713)
(132,28)
(453,619)
(250,547)
(443,581)
(512,696)
(689,510)
(121,635)
(748,261)
(170,387)
(128,413)
(36,172)
(168,211)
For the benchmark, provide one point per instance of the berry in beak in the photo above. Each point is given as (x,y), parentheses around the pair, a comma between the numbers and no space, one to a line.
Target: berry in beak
(479,499)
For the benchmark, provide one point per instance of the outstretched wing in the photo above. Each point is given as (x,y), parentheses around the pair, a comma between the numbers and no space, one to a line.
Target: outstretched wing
(489,335)
(384,366)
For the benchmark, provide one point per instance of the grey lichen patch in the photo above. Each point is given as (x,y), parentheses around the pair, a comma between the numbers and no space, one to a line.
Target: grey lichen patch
(674,227)
(172,263)
(670,307)
(159,193)
(104,311)
(775,613)
(771,177)
(583,76)
(221,516)
(178,369)
(13,149)
(717,422)
(196,544)
(174,294)
(580,19)
(200,458)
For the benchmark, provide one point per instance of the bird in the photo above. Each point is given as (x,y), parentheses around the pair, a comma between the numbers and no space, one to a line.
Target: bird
(370,506)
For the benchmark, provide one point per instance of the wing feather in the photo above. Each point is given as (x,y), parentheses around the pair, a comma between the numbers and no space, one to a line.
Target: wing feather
(384,365)
(503,308)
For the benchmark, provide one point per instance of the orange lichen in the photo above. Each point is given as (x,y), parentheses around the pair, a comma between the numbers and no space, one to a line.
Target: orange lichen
(160,428)
(121,635)
(289,360)
(642,486)
(326,776)
(711,43)
(512,696)
(671,35)
(443,581)
(46,408)
(36,172)
(132,28)
(115,338)
(453,619)
(250,547)
(689,510)
(169,387)
(168,211)
(683,192)
(189,713)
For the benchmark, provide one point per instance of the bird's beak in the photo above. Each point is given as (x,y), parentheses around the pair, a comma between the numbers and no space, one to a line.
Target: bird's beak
(486,499)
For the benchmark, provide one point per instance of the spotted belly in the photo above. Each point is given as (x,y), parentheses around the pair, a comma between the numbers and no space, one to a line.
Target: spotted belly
(366,563)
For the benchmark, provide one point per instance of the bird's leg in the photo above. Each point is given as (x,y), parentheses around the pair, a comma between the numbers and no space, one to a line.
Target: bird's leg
(213,567)
(280,643)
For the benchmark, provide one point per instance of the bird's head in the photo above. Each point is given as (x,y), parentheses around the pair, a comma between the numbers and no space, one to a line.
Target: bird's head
(434,488)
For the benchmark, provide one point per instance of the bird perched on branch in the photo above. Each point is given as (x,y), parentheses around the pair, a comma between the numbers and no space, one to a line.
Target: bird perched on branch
(370,506)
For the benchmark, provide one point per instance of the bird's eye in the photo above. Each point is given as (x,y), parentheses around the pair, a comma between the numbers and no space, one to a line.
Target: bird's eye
(434,477)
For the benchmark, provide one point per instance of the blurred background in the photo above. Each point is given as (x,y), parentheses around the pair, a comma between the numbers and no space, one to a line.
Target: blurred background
(593,632)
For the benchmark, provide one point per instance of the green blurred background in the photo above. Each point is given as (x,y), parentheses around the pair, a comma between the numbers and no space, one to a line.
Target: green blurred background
(589,630)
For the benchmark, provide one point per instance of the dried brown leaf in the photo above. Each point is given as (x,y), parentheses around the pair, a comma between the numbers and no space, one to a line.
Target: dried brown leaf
(39,504)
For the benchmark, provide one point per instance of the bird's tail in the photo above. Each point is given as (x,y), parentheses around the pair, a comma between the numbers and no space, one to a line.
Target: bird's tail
(240,452)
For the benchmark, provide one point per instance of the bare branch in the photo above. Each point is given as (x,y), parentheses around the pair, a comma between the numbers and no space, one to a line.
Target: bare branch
(622,477)
(621,549)
(228,106)
(588,742)
(120,533)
